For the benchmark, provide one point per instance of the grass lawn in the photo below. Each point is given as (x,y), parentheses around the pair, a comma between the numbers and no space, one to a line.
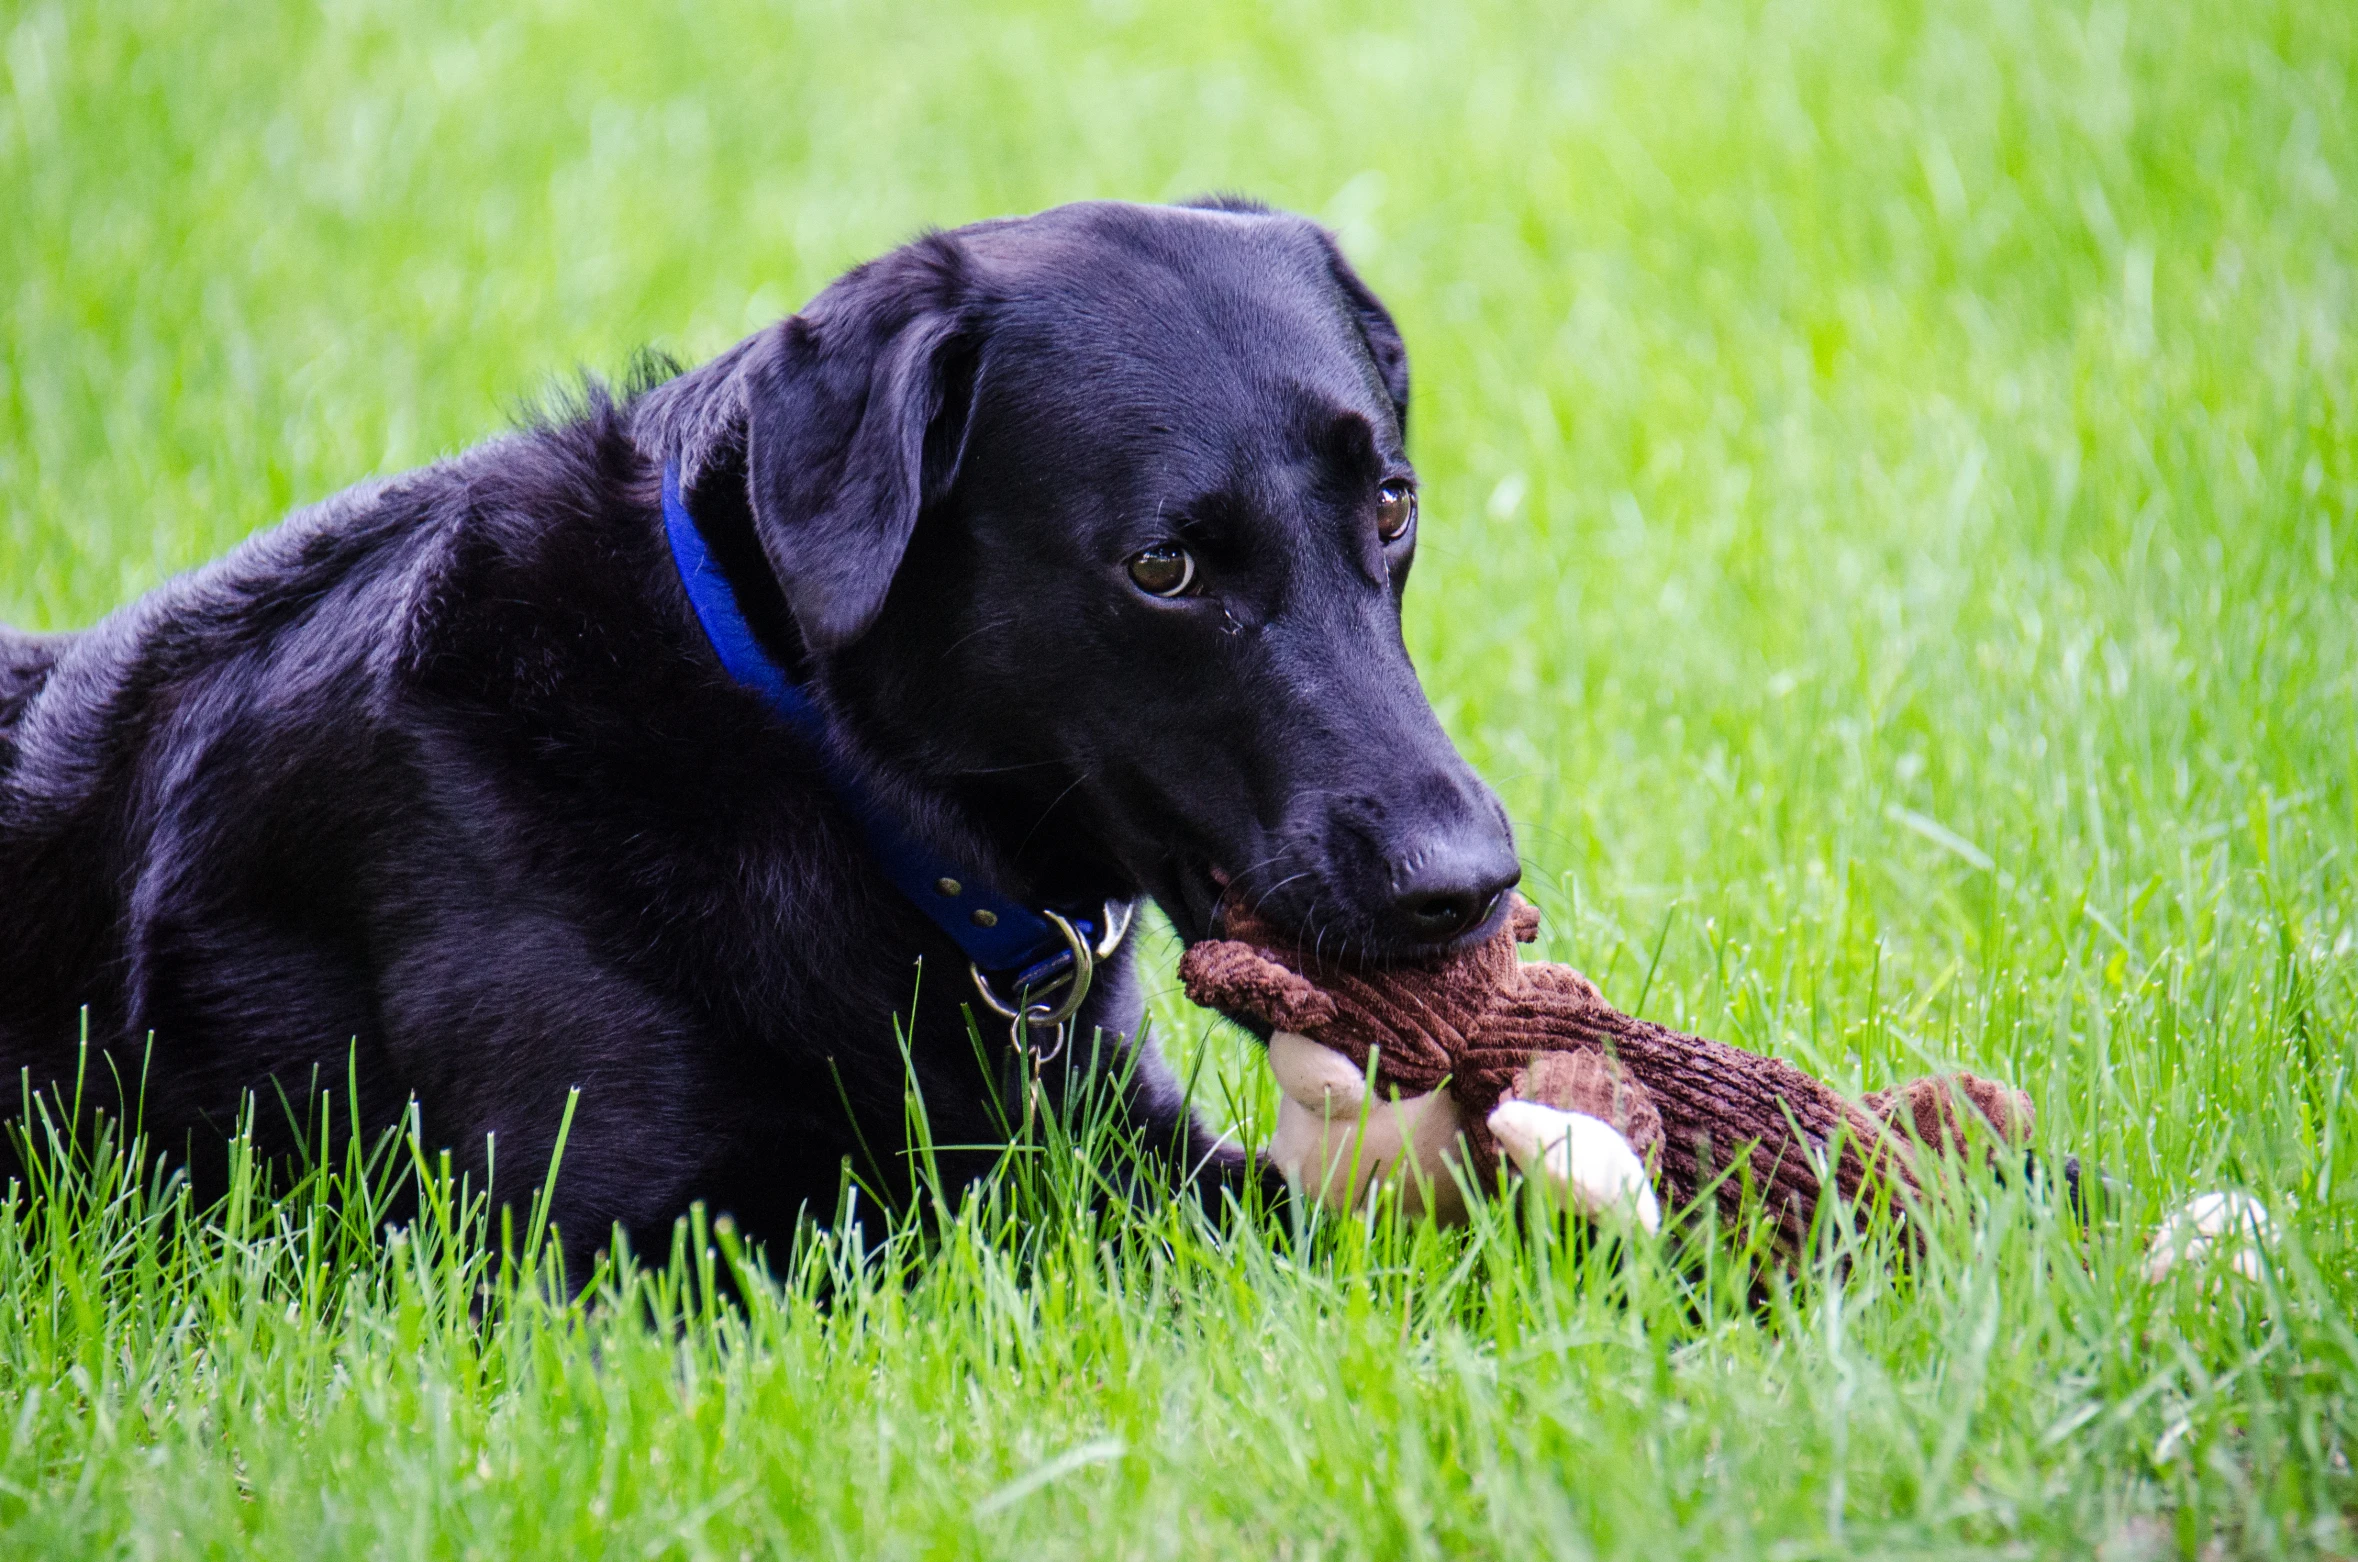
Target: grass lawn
(1892,504)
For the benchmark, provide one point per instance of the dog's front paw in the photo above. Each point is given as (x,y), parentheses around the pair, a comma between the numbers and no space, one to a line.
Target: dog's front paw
(1583,1160)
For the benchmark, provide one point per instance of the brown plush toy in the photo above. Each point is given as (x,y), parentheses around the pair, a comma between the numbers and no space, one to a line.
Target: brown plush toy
(1481,1050)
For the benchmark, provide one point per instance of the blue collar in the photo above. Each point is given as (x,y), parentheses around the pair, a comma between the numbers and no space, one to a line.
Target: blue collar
(998,934)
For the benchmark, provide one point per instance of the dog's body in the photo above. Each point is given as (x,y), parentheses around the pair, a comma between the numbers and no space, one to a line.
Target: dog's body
(421,782)
(441,779)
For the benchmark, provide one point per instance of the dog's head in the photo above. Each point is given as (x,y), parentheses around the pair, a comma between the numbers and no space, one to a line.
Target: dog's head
(1097,523)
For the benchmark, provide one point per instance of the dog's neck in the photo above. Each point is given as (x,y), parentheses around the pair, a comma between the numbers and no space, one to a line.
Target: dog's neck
(940,856)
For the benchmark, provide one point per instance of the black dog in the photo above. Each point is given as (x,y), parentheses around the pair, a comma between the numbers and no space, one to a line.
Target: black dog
(1081,538)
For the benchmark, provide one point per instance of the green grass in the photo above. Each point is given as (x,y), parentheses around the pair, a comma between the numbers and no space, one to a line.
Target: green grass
(1892,495)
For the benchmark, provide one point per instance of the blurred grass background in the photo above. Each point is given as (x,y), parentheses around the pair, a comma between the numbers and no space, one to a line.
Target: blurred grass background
(1892,525)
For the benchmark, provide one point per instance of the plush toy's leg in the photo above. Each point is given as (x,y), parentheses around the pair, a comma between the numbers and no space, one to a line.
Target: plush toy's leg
(1585,1161)
(1335,1142)
(2208,1224)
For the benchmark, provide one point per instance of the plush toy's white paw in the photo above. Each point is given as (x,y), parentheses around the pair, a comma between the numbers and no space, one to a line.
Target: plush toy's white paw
(2205,1223)
(1335,1141)
(1585,1160)
(1316,1076)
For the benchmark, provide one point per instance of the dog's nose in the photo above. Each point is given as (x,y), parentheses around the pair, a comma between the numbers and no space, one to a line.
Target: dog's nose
(1454,883)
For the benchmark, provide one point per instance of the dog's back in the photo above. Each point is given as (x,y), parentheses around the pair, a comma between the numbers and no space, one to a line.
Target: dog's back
(25,661)
(146,761)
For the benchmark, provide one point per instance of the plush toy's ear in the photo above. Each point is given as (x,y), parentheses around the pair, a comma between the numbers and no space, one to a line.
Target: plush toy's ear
(855,421)
(1236,978)
(1593,1083)
(1524,919)
(1585,1163)
(1931,1108)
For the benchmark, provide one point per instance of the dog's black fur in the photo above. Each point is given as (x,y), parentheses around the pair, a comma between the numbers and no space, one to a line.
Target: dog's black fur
(441,774)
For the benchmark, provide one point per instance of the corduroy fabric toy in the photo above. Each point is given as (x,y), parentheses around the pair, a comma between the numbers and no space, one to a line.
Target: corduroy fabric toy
(1485,1048)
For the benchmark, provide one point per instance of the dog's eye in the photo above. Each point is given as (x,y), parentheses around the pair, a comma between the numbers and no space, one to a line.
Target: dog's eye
(1395,510)
(1164,570)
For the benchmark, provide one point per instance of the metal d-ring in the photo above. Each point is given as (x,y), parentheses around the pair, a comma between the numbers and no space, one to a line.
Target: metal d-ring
(1061,999)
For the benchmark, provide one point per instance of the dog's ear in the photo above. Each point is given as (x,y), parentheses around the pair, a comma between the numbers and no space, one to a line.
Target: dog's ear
(1377,329)
(855,417)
